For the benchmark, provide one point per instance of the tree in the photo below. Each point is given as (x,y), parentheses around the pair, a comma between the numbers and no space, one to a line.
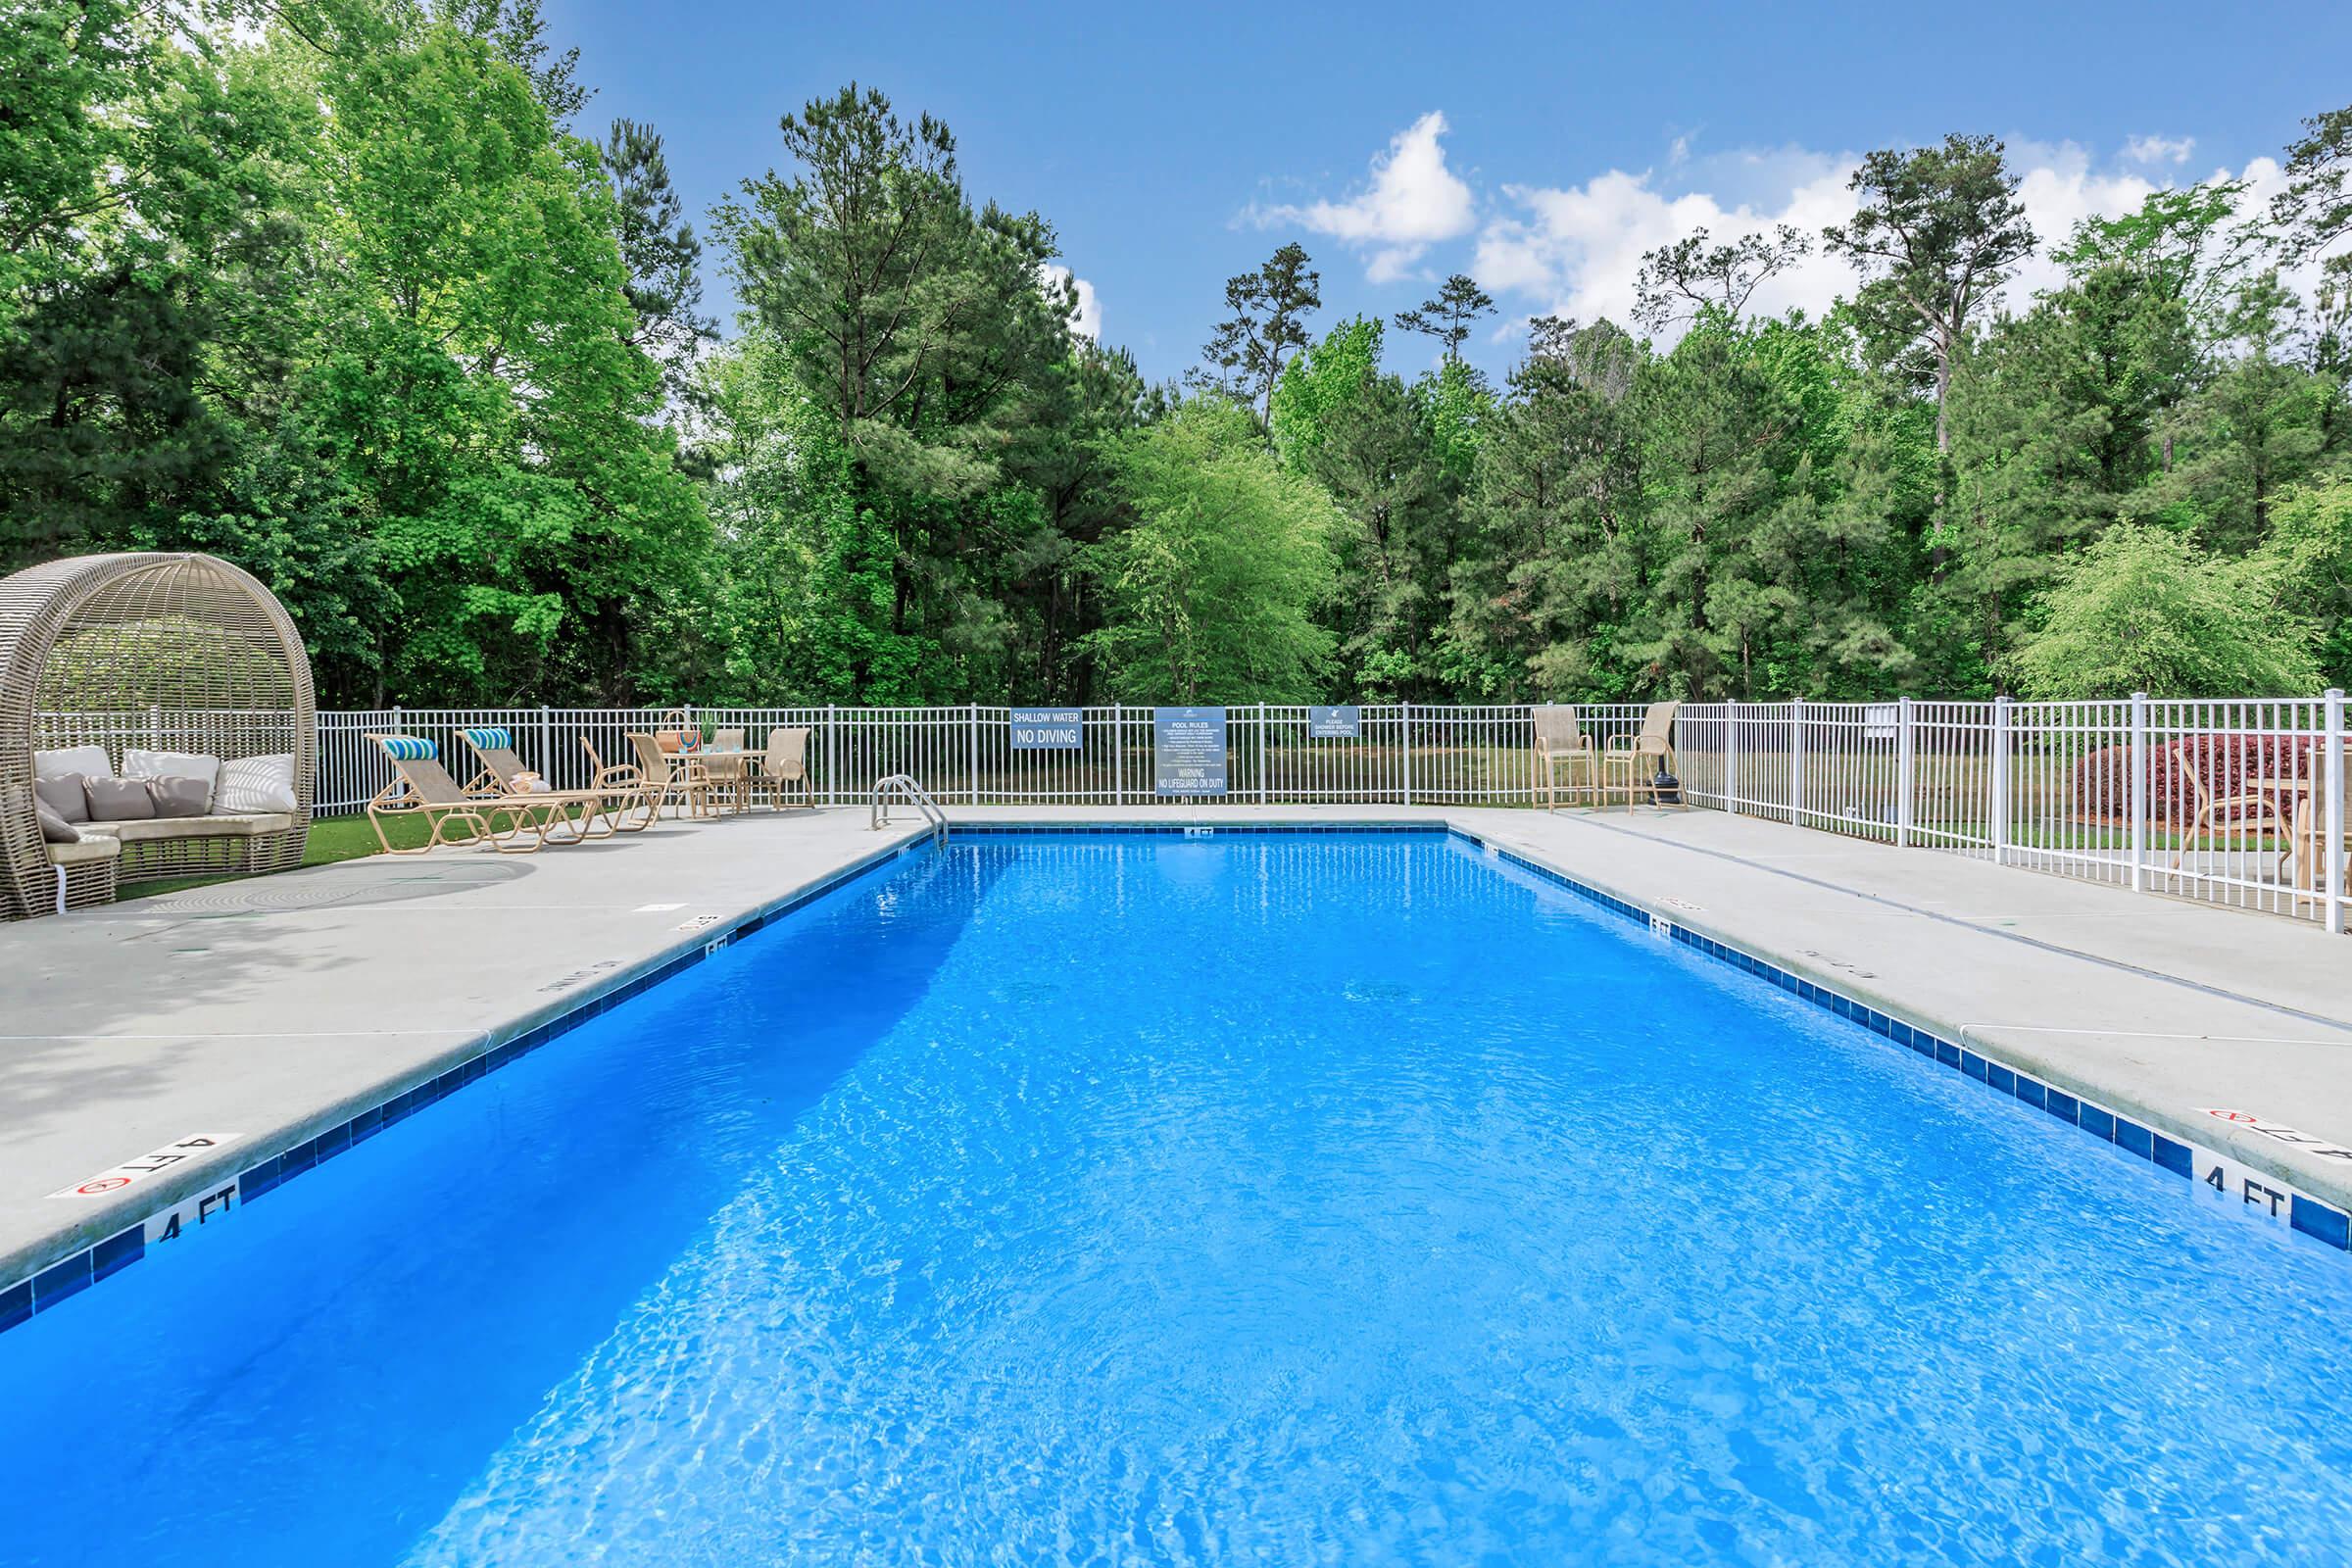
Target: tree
(1210,592)
(1451,315)
(1316,384)
(1377,460)
(478,381)
(2257,427)
(1934,239)
(923,330)
(1542,584)
(1693,274)
(2309,558)
(2315,208)
(659,255)
(1249,348)
(2145,610)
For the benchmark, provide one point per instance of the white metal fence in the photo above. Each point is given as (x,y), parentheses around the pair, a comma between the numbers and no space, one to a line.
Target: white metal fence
(2236,802)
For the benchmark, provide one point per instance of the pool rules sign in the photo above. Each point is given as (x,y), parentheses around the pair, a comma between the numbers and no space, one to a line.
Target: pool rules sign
(1187,751)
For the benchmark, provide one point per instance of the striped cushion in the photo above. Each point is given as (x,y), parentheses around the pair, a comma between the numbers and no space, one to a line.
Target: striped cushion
(409,748)
(492,740)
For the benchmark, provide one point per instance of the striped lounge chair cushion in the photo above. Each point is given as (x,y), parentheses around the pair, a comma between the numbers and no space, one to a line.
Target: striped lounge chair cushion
(492,740)
(410,747)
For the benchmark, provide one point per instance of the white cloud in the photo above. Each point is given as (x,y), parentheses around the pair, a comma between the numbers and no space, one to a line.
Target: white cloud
(1575,250)
(1414,201)
(1087,322)
(2160,149)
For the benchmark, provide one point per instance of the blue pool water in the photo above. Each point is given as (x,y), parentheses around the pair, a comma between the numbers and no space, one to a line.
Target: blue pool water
(1258,1200)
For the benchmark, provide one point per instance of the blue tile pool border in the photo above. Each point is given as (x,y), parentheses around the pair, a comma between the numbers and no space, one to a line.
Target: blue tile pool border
(57,1282)
(60,1281)
(2309,1217)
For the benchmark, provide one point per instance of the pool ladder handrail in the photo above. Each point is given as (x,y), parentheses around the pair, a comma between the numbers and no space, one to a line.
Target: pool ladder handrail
(878,817)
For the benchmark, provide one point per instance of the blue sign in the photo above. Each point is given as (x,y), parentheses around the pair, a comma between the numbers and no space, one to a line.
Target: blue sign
(1048,729)
(1335,724)
(1187,751)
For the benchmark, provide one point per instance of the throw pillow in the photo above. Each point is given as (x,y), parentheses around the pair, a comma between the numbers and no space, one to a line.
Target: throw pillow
(62,795)
(55,829)
(180,796)
(119,800)
(250,786)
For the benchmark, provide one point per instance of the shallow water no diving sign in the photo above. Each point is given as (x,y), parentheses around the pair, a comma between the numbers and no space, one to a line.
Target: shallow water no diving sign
(1049,729)
(109,1182)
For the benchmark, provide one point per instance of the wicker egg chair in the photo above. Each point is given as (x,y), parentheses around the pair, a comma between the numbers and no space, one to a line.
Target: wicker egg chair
(181,653)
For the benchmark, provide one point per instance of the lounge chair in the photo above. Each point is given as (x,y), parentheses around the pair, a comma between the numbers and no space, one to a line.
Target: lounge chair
(785,767)
(1560,738)
(613,804)
(1638,758)
(511,824)
(679,781)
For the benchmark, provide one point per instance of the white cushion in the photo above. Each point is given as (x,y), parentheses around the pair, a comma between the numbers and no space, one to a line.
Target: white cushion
(174,765)
(90,762)
(251,784)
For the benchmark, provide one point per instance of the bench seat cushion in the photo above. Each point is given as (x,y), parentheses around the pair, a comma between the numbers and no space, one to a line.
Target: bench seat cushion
(92,846)
(190,827)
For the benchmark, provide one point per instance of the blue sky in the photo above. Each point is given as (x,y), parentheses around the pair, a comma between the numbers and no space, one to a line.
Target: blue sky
(1540,147)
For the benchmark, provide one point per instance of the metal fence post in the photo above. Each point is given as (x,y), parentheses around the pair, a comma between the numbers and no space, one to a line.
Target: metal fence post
(1119,754)
(832,756)
(2140,792)
(974,750)
(1405,723)
(547,748)
(1262,777)
(2331,857)
(2000,781)
(1907,770)
(1797,765)
(1730,755)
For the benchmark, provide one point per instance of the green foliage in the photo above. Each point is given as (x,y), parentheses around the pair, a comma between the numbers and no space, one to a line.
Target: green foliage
(331,288)
(1316,384)
(2308,557)
(1211,590)
(2144,610)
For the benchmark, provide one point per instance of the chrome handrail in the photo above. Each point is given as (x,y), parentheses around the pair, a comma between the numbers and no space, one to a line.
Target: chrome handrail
(878,817)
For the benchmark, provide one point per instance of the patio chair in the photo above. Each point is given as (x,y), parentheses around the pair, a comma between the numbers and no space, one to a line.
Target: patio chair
(681,782)
(511,824)
(610,808)
(729,768)
(2257,803)
(1637,758)
(785,767)
(1561,738)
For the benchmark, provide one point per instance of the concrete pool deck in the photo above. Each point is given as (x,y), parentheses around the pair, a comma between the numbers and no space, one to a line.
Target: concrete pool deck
(278,1007)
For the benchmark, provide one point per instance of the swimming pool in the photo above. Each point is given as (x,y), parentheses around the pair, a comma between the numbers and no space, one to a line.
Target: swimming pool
(1301,1198)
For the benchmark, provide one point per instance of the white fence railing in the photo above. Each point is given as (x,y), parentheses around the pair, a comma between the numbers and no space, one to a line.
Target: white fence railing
(2237,802)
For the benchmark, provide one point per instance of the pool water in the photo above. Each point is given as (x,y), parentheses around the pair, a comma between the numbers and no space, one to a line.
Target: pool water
(1128,1199)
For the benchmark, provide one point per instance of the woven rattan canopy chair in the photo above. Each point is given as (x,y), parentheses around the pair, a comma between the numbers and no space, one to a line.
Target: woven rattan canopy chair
(173,653)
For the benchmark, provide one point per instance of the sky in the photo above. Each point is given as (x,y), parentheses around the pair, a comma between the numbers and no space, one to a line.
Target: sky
(1540,148)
